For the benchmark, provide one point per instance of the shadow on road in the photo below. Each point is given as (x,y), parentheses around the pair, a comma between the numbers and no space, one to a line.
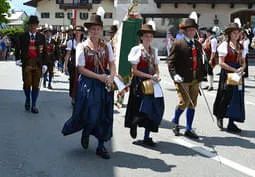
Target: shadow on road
(228,141)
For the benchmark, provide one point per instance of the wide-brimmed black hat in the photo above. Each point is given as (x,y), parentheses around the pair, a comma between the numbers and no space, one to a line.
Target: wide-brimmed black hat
(94,20)
(113,29)
(189,23)
(146,28)
(33,20)
(232,27)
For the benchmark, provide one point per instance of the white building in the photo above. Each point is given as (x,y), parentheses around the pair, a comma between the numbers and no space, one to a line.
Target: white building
(16,18)
(169,13)
(60,12)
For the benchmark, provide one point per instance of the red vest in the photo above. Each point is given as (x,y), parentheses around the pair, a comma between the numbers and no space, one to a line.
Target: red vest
(90,64)
(231,56)
(32,49)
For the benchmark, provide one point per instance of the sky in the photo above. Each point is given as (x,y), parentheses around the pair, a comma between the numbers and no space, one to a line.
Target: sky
(18,5)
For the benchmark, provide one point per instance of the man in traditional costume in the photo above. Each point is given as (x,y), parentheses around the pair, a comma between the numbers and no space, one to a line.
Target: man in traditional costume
(186,69)
(30,52)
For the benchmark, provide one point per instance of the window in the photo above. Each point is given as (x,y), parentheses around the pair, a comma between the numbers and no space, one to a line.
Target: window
(45,15)
(108,15)
(59,1)
(84,1)
(84,15)
(59,15)
(96,1)
(69,15)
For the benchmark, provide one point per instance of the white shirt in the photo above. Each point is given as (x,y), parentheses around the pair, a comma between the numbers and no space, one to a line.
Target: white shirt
(246,44)
(135,54)
(71,43)
(223,49)
(80,57)
(30,34)
(213,44)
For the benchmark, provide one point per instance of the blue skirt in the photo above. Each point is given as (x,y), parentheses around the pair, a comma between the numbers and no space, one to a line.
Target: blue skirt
(93,110)
(229,101)
(146,109)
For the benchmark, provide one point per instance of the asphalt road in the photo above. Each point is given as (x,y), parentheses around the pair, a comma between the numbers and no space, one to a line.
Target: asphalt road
(33,146)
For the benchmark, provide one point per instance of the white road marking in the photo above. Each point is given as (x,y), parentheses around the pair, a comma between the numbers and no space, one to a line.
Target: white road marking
(223,160)
(209,94)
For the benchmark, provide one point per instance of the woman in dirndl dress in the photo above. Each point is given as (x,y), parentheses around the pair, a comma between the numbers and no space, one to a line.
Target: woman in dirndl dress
(93,109)
(144,110)
(229,102)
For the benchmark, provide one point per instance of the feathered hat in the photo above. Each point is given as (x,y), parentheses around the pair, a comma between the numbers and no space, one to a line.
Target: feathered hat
(96,19)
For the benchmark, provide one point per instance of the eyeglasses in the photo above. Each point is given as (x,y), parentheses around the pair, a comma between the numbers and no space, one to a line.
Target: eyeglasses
(80,30)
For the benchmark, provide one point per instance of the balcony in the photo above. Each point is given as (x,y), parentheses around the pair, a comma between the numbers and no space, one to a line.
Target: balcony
(75,6)
(213,2)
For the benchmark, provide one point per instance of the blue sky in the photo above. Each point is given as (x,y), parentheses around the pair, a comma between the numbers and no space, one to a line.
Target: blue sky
(18,5)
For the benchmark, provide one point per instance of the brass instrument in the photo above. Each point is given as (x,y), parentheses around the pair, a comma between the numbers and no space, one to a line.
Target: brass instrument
(132,5)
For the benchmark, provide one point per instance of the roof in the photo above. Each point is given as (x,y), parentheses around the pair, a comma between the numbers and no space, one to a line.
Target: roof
(207,1)
(32,3)
(15,15)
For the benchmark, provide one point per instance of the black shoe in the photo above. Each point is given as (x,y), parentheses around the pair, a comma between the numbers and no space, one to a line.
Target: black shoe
(34,110)
(191,134)
(133,132)
(234,129)
(84,141)
(102,152)
(27,105)
(176,130)
(220,123)
(210,89)
(50,87)
(149,142)
(44,85)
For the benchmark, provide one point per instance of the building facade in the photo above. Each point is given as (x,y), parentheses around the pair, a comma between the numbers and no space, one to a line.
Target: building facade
(167,14)
(60,13)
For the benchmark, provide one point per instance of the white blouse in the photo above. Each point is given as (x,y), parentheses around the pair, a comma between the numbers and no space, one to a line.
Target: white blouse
(80,57)
(135,54)
(223,50)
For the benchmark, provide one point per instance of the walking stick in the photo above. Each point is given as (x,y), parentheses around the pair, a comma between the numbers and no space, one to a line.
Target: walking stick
(201,90)
(187,94)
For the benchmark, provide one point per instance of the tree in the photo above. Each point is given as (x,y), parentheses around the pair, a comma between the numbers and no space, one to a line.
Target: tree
(4,7)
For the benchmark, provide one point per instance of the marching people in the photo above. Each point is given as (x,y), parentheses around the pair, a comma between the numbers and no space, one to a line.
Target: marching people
(93,109)
(30,51)
(50,58)
(186,69)
(144,110)
(210,48)
(229,102)
(70,61)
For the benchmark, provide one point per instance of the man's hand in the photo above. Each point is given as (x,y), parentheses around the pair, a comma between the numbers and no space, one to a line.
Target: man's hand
(18,63)
(178,78)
